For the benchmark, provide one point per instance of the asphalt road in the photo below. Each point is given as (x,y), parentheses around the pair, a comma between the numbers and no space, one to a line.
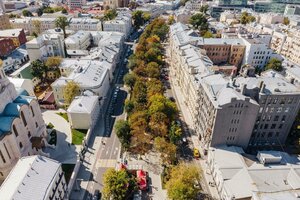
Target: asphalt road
(109,151)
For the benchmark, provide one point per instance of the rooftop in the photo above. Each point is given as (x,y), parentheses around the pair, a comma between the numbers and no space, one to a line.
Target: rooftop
(10,32)
(29,180)
(83,104)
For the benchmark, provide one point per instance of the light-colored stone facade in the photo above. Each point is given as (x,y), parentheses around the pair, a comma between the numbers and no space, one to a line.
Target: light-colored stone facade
(21,123)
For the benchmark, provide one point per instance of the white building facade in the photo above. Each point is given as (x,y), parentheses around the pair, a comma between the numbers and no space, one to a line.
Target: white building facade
(21,126)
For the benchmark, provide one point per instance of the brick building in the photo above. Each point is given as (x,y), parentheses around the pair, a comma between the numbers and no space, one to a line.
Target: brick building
(17,35)
(7,46)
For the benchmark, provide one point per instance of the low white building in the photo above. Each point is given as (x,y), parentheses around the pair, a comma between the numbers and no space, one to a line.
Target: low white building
(83,111)
(257,53)
(271,175)
(88,24)
(79,41)
(46,45)
(35,177)
(270,18)
(91,75)
(22,84)
(122,23)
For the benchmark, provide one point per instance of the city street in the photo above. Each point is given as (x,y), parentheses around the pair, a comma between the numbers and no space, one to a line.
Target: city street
(104,147)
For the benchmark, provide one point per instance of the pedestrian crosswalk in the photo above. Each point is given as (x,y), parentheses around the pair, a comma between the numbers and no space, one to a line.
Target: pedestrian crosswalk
(106,163)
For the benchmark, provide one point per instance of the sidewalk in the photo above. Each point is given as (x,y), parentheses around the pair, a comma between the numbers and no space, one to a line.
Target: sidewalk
(188,120)
(150,163)
(63,152)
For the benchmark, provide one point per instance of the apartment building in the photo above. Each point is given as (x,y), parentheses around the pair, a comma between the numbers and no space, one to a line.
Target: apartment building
(35,177)
(22,128)
(279,102)
(91,75)
(7,46)
(270,18)
(291,46)
(240,176)
(46,45)
(277,41)
(115,3)
(224,51)
(122,23)
(17,35)
(242,111)
(73,4)
(194,5)
(4,21)
(257,53)
(220,114)
(75,24)
(80,40)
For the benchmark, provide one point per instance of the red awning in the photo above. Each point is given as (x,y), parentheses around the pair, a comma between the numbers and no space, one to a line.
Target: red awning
(142,181)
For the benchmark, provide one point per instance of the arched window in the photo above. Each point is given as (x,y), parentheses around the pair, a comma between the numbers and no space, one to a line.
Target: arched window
(32,111)
(15,131)
(20,145)
(23,118)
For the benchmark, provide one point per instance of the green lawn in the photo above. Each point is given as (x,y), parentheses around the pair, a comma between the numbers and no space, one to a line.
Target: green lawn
(64,115)
(77,136)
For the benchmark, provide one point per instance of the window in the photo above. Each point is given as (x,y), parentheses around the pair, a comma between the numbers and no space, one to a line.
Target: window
(6,150)
(270,134)
(20,145)
(277,134)
(15,131)
(276,118)
(36,125)
(23,118)
(263,134)
(266,126)
(29,135)
(2,157)
(283,118)
(273,126)
(1,173)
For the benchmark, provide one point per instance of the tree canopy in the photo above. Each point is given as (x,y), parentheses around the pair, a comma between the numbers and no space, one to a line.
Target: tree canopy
(204,9)
(181,185)
(139,18)
(38,69)
(123,132)
(27,13)
(70,91)
(117,184)
(274,64)
(53,62)
(167,150)
(286,21)
(110,14)
(62,22)
(199,21)
(246,18)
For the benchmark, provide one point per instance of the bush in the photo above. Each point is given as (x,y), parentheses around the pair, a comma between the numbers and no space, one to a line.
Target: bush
(50,126)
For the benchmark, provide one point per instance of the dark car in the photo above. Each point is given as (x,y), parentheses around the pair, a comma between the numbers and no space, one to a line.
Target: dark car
(97,195)
(172,99)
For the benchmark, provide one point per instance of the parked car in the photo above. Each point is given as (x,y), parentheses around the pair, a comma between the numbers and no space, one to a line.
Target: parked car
(196,153)
(97,195)
(184,140)
(172,99)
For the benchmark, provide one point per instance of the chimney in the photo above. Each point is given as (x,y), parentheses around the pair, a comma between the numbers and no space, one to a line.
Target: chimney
(262,89)
(244,86)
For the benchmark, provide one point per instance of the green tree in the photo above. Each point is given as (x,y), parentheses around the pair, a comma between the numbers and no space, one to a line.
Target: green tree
(27,13)
(171,20)
(154,86)
(159,124)
(117,184)
(208,34)
(123,132)
(53,62)
(139,18)
(167,150)
(274,64)
(129,106)
(199,21)
(181,185)
(204,9)
(70,91)
(64,11)
(62,22)
(286,21)
(129,80)
(38,69)
(39,12)
(48,10)
(139,95)
(110,14)
(152,70)
(175,132)
(37,26)
(246,18)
